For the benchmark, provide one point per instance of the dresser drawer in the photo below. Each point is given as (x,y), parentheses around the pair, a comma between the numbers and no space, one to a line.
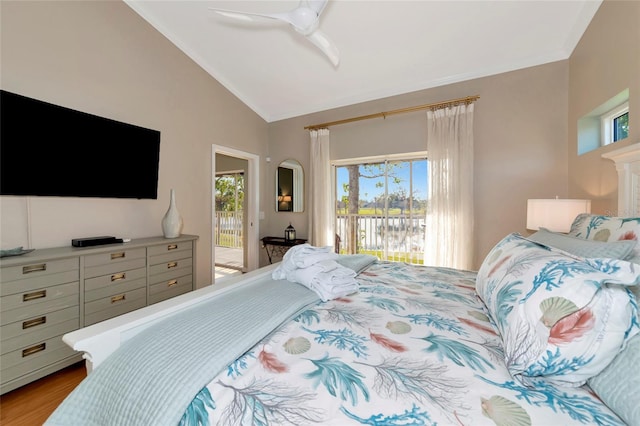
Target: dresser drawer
(173,247)
(118,304)
(21,334)
(30,358)
(96,265)
(170,266)
(32,303)
(166,258)
(114,279)
(114,289)
(32,284)
(164,274)
(126,265)
(170,288)
(36,270)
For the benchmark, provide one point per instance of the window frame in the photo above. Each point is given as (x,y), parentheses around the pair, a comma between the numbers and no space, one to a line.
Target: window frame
(607,121)
(387,252)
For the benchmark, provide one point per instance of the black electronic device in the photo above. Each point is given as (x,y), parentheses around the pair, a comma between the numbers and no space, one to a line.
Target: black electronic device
(94,241)
(50,150)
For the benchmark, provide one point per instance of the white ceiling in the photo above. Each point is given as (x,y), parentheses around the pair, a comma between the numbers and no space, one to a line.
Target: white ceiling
(386,47)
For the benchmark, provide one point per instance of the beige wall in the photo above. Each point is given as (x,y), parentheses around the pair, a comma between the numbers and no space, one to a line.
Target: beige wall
(101,57)
(605,62)
(520,133)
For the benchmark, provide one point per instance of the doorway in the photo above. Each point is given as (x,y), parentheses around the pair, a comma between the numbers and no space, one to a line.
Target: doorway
(234,239)
(229,221)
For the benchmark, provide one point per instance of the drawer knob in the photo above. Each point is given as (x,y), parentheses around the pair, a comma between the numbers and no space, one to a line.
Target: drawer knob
(118,277)
(120,255)
(34,349)
(172,283)
(172,265)
(172,246)
(34,322)
(118,298)
(34,295)
(34,268)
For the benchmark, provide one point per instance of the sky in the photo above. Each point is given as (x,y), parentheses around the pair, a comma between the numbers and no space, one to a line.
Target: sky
(368,190)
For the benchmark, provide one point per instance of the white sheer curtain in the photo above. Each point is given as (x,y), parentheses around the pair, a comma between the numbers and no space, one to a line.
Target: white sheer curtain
(449,230)
(321,231)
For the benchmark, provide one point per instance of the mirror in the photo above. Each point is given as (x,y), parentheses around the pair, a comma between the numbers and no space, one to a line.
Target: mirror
(289,187)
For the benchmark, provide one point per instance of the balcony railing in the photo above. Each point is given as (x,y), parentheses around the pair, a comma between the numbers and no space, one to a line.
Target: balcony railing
(393,237)
(228,229)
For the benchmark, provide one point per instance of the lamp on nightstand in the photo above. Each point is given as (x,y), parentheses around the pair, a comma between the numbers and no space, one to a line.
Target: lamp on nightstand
(555,214)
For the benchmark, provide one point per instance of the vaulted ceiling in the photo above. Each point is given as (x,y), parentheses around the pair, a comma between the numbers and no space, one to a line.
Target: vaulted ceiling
(386,47)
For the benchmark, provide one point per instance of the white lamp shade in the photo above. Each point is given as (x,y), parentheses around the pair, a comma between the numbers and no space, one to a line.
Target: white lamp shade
(556,215)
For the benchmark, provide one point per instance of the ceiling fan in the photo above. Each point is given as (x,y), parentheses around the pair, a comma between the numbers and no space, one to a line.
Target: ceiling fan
(304,19)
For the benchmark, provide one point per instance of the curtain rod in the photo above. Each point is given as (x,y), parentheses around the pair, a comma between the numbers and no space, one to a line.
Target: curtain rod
(438,105)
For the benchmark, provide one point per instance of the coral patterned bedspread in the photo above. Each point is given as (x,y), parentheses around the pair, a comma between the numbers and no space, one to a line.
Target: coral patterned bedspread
(413,347)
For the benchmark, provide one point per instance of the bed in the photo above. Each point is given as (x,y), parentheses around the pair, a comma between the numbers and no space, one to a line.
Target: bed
(544,333)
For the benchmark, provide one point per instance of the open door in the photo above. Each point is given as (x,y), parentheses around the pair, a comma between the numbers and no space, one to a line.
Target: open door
(234,212)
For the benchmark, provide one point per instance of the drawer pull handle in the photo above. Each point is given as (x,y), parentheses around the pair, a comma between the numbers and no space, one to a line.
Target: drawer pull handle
(118,277)
(34,268)
(120,255)
(118,298)
(172,246)
(33,322)
(172,265)
(172,283)
(34,349)
(35,295)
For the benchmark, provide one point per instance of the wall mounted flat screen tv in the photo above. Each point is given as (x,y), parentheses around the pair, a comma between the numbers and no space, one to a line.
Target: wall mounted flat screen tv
(50,150)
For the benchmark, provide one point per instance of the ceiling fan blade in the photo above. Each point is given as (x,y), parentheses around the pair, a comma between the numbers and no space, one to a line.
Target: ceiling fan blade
(251,17)
(316,5)
(320,40)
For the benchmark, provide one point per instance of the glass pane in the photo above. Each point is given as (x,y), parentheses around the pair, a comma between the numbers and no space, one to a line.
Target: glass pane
(380,209)
(372,213)
(621,127)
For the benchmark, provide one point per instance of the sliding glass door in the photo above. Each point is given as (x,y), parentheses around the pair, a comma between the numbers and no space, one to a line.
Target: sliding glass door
(381,207)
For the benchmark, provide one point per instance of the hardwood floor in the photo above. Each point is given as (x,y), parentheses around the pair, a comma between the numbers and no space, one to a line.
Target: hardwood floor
(32,404)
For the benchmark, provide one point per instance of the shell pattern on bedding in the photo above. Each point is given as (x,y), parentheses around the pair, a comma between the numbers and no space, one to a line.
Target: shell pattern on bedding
(414,346)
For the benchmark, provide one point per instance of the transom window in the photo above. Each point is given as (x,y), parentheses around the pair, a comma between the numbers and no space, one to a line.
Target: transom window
(604,125)
(615,124)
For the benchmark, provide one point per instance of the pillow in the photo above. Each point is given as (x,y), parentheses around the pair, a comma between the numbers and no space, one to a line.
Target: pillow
(618,384)
(607,229)
(584,248)
(562,318)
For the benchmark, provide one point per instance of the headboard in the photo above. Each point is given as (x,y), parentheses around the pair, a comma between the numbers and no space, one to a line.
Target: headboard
(627,161)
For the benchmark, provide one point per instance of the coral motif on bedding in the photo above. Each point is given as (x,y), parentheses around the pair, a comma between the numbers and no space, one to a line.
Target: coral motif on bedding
(608,229)
(561,317)
(414,346)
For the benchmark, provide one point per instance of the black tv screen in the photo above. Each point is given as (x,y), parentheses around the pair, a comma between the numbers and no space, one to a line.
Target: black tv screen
(50,150)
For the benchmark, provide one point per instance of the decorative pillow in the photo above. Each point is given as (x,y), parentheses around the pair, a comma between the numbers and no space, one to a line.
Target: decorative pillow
(607,229)
(618,384)
(561,318)
(584,248)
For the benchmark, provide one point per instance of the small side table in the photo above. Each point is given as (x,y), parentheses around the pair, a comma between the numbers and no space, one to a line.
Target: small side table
(278,246)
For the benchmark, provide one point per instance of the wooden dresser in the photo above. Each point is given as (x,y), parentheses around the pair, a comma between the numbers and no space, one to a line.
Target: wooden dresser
(49,292)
